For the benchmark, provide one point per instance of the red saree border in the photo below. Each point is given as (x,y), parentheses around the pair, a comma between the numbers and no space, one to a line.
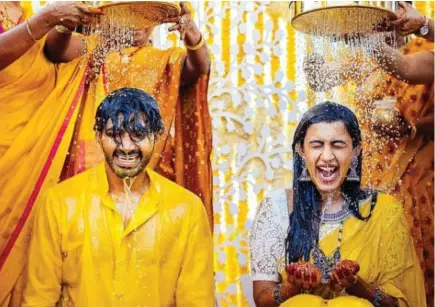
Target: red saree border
(31,201)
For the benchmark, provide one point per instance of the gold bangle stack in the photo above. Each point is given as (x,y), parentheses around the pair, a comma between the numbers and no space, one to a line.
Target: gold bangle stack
(30,31)
(62,29)
(197,46)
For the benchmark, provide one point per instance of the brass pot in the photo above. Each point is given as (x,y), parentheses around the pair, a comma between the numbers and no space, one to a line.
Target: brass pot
(321,18)
(133,14)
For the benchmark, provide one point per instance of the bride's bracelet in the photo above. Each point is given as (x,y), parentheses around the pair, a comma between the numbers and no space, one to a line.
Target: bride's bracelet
(379,296)
(277,295)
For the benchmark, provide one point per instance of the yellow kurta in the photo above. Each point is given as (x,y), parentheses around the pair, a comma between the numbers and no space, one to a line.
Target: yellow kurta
(80,249)
(183,151)
(383,249)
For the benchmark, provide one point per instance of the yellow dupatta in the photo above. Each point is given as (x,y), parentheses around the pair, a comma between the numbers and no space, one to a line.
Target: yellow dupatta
(37,107)
(383,249)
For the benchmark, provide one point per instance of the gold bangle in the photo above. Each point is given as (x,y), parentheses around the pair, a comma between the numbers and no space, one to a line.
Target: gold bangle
(62,29)
(197,46)
(30,31)
(413,131)
(84,47)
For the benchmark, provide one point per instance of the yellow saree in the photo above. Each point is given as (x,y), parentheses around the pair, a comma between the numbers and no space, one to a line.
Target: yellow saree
(384,251)
(404,166)
(182,153)
(34,140)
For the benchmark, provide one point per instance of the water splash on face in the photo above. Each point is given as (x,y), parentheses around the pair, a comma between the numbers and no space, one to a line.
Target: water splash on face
(344,69)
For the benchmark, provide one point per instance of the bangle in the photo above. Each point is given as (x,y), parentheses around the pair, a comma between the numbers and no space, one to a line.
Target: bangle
(413,131)
(62,29)
(197,46)
(85,47)
(30,31)
(277,295)
(355,281)
(377,298)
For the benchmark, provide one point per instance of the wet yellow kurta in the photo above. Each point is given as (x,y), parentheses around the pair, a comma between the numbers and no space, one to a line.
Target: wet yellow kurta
(81,254)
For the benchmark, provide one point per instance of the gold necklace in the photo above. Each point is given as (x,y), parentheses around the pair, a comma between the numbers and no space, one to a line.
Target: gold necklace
(7,22)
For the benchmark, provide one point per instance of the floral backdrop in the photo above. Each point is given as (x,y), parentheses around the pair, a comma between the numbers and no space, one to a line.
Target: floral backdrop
(256,96)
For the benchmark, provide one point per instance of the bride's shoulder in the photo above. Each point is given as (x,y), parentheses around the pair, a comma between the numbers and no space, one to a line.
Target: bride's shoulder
(277,199)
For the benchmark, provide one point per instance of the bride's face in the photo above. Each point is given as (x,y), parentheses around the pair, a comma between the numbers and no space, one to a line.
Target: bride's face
(328,151)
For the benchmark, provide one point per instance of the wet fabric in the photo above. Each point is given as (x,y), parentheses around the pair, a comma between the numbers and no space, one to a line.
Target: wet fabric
(382,247)
(404,166)
(182,153)
(33,112)
(82,255)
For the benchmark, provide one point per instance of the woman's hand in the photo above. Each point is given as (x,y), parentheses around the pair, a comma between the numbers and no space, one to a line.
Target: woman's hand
(410,20)
(344,275)
(387,120)
(184,24)
(70,14)
(303,275)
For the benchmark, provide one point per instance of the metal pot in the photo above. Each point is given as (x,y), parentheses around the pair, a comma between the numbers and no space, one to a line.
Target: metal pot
(321,18)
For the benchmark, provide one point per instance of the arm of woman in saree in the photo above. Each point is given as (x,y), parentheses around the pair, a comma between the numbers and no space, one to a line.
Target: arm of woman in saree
(416,68)
(197,61)
(425,125)
(61,46)
(15,42)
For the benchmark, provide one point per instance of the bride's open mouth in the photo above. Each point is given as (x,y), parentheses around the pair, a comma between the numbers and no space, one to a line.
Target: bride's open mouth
(327,174)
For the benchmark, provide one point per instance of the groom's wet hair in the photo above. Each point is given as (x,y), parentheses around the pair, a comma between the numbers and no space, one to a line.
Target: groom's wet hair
(130,110)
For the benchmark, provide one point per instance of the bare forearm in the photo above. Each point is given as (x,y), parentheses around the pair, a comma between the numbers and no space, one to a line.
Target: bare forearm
(17,41)
(425,126)
(264,293)
(392,61)
(197,61)
(366,291)
(265,298)
(57,45)
(415,68)
(63,47)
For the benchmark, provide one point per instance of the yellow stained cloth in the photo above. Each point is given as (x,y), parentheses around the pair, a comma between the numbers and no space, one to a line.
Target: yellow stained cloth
(164,257)
(155,71)
(182,153)
(32,112)
(24,85)
(383,249)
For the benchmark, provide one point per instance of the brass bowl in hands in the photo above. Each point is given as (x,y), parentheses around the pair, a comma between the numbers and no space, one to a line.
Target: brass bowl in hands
(339,20)
(133,14)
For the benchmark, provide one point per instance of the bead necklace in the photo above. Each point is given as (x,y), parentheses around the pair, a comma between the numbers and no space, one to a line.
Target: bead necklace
(325,263)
